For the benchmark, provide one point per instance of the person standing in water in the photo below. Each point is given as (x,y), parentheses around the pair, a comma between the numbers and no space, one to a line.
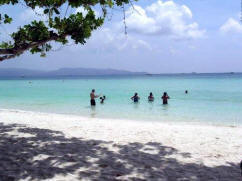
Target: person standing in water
(135,98)
(151,97)
(93,97)
(186,92)
(165,98)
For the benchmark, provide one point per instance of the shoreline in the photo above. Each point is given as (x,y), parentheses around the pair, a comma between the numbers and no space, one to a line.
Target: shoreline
(168,122)
(94,148)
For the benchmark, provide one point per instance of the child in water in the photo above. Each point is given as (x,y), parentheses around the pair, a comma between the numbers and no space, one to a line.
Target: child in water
(102,99)
(165,98)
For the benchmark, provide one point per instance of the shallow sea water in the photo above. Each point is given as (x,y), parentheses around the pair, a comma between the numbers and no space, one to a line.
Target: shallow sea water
(211,98)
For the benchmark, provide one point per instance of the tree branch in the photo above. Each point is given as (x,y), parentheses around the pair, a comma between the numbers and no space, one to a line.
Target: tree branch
(15,51)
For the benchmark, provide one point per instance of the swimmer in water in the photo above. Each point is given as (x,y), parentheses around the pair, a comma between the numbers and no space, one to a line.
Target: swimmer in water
(102,99)
(165,98)
(135,98)
(151,97)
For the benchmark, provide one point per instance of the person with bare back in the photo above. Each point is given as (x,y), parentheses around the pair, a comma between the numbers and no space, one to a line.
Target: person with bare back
(93,96)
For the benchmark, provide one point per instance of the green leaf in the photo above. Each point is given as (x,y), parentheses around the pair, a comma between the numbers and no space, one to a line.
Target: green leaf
(7,19)
(46,11)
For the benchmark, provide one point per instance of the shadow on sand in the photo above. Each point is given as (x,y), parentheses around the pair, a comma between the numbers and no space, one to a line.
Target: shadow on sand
(44,154)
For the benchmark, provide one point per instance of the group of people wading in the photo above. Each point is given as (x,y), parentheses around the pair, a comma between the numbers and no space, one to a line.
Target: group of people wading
(151,98)
(135,98)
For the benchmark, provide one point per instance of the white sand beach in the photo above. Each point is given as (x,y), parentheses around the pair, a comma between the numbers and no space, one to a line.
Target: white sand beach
(42,146)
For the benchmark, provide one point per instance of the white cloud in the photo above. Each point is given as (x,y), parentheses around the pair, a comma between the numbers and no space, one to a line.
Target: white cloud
(81,10)
(231,26)
(163,18)
(108,40)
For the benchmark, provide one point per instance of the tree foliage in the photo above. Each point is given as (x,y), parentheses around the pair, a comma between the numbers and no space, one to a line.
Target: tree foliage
(37,35)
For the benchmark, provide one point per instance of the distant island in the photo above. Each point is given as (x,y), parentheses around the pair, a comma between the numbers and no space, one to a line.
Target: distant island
(18,72)
(75,72)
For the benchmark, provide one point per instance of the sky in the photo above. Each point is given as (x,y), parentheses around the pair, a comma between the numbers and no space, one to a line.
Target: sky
(163,36)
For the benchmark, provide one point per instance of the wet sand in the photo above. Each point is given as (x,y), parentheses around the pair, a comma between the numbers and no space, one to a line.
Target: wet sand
(41,146)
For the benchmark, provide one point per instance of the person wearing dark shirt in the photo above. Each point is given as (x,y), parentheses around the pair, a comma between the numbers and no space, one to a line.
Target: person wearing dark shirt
(165,98)
(135,98)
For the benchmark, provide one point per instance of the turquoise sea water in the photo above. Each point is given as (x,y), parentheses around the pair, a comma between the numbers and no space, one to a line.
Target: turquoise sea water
(215,98)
